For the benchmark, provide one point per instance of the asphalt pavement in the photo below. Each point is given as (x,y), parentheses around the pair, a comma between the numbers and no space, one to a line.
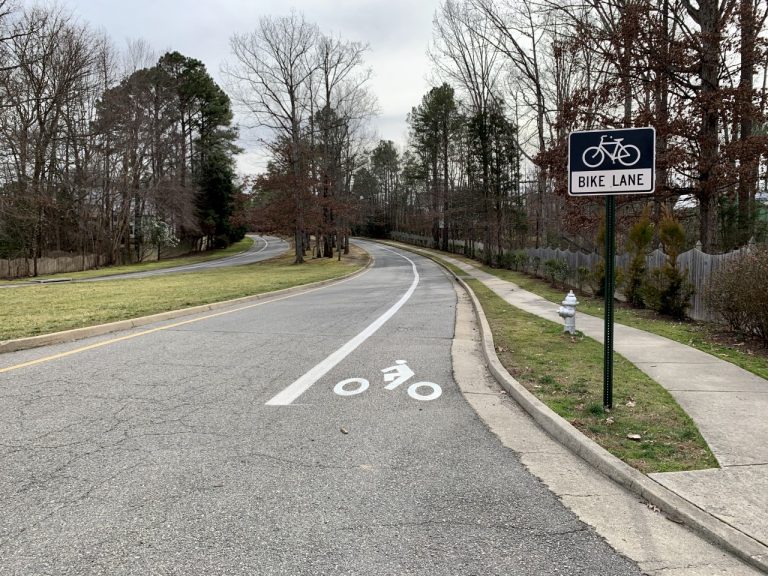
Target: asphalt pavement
(727,403)
(263,248)
(320,433)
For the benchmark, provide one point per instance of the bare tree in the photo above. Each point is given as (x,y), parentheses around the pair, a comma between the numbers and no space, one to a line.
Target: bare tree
(517,31)
(342,104)
(270,75)
(709,18)
(462,54)
(38,91)
(138,54)
(86,159)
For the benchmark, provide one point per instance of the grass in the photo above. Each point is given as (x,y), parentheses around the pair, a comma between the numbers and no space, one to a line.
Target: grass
(702,335)
(50,308)
(193,258)
(565,372)
(705,336)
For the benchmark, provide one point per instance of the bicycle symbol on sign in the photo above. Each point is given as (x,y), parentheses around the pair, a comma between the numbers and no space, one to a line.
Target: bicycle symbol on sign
(625,154)
(394,376)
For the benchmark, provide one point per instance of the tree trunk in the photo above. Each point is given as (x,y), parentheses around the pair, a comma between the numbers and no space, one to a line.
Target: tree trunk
(445,185)
(708,142)
(435,201)
(662,122)
(748,161)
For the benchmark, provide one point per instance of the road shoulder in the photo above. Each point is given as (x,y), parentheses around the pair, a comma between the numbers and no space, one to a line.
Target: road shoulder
(633,526)
(65,336)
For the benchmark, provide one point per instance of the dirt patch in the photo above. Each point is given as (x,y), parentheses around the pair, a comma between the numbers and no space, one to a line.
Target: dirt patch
(749,346)
(357,256)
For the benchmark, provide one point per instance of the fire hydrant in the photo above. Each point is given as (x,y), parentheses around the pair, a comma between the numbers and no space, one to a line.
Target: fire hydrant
(568,312)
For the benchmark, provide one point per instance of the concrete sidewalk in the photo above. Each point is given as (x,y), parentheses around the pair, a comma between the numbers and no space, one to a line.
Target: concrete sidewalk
(728,404)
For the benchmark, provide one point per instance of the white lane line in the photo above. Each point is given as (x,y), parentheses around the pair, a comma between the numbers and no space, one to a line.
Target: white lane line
(267,300)
(266,244)
(304,383)
(247,253)
(227,259)
(189,267)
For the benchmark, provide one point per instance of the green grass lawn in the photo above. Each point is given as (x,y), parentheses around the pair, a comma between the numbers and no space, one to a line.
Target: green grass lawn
(50,308)
(193,258)
(565,372)
(706,336)
(701,335)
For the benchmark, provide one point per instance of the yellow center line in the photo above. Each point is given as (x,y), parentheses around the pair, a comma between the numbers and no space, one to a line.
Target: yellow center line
(122,338)
(158,329)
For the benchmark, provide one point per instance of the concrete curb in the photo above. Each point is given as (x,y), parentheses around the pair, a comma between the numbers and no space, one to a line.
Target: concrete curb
(677,508)
(101,329)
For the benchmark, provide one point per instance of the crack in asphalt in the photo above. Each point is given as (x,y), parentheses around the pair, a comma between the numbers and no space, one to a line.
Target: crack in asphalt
(304,464)
(458,524)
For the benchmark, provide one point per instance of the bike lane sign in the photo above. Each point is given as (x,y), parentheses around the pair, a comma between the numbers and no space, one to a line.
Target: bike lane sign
(609,162)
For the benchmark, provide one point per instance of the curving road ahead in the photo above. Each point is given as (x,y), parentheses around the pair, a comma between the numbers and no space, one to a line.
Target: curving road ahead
(263,248)
(321,433)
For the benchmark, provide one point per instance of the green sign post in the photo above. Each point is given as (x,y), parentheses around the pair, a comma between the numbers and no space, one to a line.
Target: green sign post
(608,163)
(609,287)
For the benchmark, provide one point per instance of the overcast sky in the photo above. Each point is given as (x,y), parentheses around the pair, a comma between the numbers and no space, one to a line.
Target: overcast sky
(398,32)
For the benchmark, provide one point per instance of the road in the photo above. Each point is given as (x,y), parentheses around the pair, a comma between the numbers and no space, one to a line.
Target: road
(263,248)
(246,442)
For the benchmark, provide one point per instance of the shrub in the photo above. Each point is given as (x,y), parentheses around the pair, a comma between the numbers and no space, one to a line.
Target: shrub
(520,261)
(597,276)
(597,279)
(667,290)
(582,276)
(533,265)
(505,259)
(556,271)
(737,293)
(636,280)
(640,237)
(726,295)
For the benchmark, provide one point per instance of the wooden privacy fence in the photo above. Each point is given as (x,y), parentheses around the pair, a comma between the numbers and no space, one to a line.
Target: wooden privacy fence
(23,267)
(698,265)
(62,264)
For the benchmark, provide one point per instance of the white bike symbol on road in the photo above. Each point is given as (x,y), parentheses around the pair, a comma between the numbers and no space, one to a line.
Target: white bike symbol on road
(394,376)
(626,155)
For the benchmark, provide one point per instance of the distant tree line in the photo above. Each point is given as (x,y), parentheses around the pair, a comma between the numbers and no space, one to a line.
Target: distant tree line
(107,154)
(306,91)
(487,154)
